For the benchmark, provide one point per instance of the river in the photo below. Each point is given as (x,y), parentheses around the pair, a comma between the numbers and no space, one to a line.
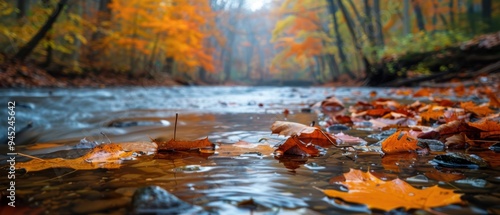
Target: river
(62,117)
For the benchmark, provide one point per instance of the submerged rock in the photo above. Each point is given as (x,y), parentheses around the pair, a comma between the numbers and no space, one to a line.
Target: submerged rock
(460,160)
(156,200)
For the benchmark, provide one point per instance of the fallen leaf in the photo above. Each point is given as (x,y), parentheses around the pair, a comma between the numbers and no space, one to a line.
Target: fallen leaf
(433,112)
(183,145)
(243,148)
(294,146)
(473,108)
(332,104)
(448,176)
(364,188)
(494,101)
(303,132)
(490,127)
(348,139)
(424,92)
(107,156)
(459,141)
(399,142)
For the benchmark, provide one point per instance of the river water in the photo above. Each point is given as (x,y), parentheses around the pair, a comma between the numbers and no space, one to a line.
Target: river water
(60,118)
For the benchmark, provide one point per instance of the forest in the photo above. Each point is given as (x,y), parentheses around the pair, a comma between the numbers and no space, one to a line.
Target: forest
(237,41)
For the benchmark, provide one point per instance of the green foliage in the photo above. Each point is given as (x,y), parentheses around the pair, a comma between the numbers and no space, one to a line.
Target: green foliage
(422,42)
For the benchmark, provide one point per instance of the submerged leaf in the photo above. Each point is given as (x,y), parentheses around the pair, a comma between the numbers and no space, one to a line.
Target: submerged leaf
(364,188)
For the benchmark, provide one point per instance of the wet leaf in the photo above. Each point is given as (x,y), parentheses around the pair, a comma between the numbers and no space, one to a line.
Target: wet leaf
(183,145)
(303,132)
(107,156)
(294,146)
(444,176)
(364,188)
(399,142)
(243,148)
(473,108)
(490,127)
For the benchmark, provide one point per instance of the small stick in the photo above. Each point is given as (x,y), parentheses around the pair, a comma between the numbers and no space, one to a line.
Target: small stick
(175,125)
(103,134)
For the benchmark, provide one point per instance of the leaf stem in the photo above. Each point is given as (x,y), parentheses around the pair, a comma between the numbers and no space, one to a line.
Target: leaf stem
(175,125)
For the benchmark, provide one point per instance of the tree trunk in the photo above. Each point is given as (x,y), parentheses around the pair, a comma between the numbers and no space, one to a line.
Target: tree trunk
(378,23)
(368,22)
(471,16)
(486,14)
(419,15)
(334,67)
(332,7)
(28,48)
(406,17)
(22,6)
(355,41)
(451,5)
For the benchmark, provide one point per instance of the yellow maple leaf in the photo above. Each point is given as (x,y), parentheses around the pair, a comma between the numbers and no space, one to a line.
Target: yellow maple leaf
(364,188)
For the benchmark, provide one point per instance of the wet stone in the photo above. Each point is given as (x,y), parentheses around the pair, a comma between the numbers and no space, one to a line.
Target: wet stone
(156,200)
(460,160)
(434,145)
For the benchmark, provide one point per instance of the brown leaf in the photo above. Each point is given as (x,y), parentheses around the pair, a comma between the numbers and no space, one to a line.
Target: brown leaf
(399,142)
(459,141)
(294,146)
(444,176)
(304,132)
(332,104)
(489,126)
(364,188)
(182,145)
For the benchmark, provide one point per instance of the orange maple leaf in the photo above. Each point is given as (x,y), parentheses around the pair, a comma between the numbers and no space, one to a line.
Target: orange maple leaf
(364,188)
(433,112)
(490,126)
(473,108)
(400,141)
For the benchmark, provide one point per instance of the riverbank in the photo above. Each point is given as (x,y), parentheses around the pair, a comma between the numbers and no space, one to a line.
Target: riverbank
(31,76)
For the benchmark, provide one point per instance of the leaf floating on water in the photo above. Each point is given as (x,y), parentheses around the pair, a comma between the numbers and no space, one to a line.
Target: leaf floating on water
(107,156)
(184,145)
(365,188)
(303,132)
(243,148)
(294,146)
(399,142)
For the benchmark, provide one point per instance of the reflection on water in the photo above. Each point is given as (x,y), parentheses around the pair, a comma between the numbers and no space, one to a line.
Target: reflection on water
(227,185)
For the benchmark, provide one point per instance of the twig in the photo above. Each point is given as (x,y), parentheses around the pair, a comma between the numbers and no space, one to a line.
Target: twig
(103,134)
(25,155)
(175,125)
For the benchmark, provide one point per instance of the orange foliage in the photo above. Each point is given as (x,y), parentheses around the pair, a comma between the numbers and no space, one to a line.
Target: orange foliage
(364,188)
(399,142)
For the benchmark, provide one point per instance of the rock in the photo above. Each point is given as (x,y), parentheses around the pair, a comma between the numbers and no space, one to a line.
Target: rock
(156,200)
(460,160)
